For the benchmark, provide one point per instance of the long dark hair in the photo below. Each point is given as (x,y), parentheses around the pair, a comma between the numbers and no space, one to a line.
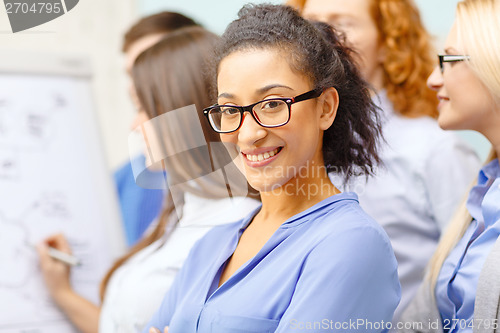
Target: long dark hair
(317,51)
(169,76)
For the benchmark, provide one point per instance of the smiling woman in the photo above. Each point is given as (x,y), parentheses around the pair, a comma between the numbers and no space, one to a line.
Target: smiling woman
(461,292)
(252,139)
(291,107)
(461,111)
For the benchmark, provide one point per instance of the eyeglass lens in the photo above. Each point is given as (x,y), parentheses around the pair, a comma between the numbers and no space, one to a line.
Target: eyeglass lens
(266,113)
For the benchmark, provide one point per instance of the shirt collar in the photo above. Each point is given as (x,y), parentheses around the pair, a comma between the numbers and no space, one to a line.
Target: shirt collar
(299,218)
(477,206)
(489,172)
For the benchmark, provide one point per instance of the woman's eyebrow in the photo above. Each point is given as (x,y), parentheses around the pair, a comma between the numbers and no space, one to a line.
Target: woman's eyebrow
(450,50)
(259,91)
(265,89)
(225,95)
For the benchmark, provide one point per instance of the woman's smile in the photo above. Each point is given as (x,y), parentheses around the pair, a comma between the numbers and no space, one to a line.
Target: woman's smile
(260,157)
(266,152)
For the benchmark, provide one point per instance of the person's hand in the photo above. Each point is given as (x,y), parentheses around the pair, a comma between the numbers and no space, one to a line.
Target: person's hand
(155,330)
(55,273)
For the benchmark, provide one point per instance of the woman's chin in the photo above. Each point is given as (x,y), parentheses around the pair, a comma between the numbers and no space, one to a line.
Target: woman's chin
(448,124)
(267,185)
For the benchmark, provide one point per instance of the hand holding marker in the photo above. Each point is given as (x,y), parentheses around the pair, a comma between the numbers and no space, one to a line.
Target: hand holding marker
(58,248)
(63,257)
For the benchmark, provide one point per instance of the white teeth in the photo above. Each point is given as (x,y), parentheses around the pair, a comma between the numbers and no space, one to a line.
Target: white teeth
(261,157)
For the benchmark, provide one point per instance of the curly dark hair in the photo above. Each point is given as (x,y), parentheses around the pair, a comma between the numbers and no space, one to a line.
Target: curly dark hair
(317,51)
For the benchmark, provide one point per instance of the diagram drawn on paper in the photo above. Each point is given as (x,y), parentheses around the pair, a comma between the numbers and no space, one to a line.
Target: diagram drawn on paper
(53,179)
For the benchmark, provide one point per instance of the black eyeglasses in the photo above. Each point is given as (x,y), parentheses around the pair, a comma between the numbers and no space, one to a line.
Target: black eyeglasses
(273,112)
(450,58)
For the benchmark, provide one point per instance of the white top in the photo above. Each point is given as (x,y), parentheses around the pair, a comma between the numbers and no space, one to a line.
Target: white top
(426,174)
(137,288)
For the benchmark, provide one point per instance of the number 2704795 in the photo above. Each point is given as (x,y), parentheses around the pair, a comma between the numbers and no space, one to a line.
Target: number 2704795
(35,8)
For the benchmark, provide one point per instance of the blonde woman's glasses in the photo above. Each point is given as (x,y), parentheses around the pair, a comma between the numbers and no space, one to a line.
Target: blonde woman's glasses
(450,58)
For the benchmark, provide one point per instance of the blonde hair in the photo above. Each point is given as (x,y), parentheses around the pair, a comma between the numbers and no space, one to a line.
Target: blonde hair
(454,232)
(479,31)
(478,23)
(409,56)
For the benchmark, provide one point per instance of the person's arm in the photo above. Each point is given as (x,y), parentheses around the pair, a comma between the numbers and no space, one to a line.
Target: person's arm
(349,283)
(80,311)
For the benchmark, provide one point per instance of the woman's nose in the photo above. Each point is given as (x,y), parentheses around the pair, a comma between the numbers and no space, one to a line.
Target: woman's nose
(250,131)
(435,80)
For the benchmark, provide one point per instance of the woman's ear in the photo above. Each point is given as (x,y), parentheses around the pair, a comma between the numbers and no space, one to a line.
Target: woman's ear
(330,104)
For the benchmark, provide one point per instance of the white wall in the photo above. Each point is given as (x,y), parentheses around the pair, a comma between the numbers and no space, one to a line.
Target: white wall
(438,17)
(93,28)
(213,15)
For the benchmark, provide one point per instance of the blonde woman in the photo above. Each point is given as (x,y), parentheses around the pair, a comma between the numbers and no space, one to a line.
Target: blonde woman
(462,291)
(427,170)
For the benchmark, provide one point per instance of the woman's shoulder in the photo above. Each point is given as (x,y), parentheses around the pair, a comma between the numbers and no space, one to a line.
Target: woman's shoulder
(422,135)
(402,127)
(419,134)
(346,218)
(420,141)
(345,206)
(347,238)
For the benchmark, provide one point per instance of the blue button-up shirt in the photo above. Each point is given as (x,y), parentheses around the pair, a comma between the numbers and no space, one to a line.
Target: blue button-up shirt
(457,281)
(330,267)
(425,174)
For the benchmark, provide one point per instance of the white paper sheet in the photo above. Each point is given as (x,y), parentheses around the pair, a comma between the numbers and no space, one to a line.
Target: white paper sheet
(52,179)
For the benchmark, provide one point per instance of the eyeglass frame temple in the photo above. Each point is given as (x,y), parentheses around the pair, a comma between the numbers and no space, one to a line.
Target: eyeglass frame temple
(454,58)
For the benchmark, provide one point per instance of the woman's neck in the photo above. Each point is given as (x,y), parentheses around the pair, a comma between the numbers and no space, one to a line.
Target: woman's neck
(495,139)
(297,195)
(492,132)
